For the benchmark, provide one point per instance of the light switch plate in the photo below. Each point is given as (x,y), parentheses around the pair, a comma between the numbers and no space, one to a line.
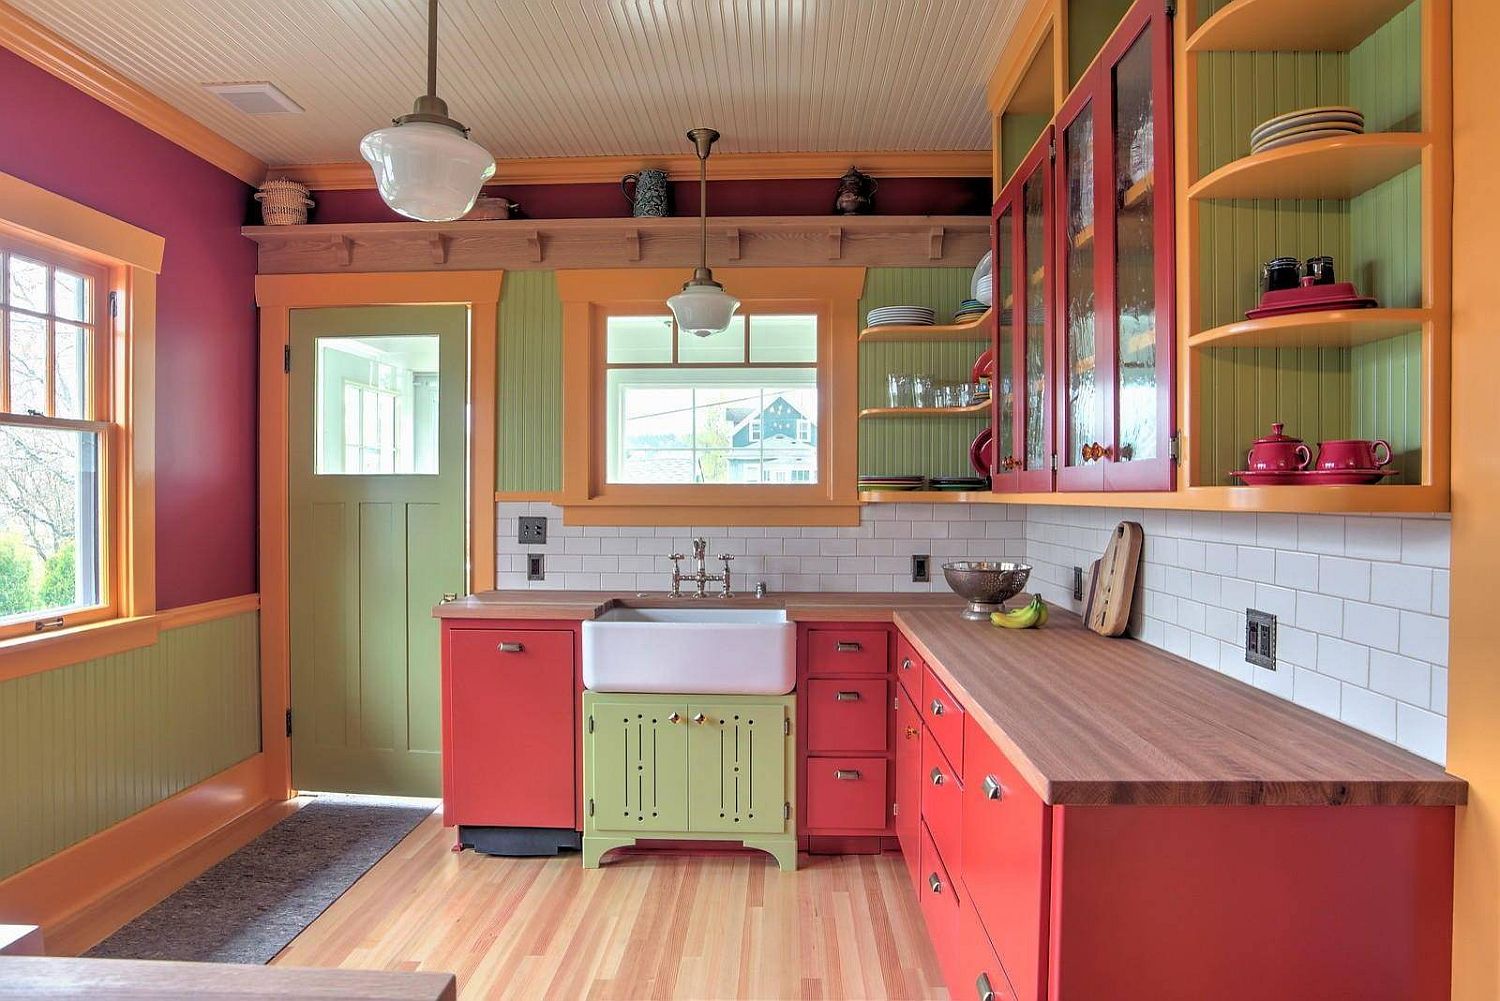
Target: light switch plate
(921,568)
(536,569)
(532,531)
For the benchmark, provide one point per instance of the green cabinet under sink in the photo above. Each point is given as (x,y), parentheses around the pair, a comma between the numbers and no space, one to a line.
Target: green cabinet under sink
(683,767)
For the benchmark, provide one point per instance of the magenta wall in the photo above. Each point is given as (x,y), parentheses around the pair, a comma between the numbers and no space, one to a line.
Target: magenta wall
(60,139)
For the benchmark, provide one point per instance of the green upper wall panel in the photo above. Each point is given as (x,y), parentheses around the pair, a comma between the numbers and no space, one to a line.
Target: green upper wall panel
(528,438)
(84,747)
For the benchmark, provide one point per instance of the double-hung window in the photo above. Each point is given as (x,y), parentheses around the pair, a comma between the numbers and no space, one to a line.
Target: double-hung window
(56,435)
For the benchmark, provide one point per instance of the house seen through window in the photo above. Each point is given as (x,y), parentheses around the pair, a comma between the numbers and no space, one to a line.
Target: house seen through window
(740,407)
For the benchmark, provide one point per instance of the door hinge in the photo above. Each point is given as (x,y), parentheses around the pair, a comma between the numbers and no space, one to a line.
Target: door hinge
(786,728)
(114,304)
(786,811)
(286,358)
(1174,447)
(895,702)
(1052,147)
(1054,462)
(288,722)
(1171,8)
(895,809)
(591,724)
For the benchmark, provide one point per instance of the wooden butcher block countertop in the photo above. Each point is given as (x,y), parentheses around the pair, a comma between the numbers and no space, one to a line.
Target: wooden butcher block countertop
(1089,720)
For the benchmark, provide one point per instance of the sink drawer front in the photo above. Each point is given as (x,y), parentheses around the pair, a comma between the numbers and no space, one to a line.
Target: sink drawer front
(847,651)
(909,667)
(944,716)
(942,801)
(846,793)
(847,716)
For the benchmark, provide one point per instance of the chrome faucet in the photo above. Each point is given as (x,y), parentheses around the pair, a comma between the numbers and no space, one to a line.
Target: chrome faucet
(700,575)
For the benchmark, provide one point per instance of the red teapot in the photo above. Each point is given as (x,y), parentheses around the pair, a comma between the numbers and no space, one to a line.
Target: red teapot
(1278,453)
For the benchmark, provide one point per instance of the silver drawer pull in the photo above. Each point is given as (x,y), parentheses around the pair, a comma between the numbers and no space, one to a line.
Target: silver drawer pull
(937,777)
(937,708)
(991,787)
(846,697)
(933,883)
(846,774)
(983,989)
(510,648)
(847,647)
(906,663)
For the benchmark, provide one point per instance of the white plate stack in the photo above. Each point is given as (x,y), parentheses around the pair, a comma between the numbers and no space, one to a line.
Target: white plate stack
(901,316)
(1305,125)
(982,285)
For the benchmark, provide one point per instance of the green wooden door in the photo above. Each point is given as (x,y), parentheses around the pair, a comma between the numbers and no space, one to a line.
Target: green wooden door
(737,769)
(377,475)
(638,756)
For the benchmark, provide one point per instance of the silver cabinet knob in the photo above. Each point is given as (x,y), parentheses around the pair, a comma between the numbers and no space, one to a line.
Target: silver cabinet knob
(982,988)
(938,778)
(991,786)
(906,663)
(510,648)
(933,883)
(937,708)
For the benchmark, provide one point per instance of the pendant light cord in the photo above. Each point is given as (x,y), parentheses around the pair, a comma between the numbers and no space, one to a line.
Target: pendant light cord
(702,210)
(432,28)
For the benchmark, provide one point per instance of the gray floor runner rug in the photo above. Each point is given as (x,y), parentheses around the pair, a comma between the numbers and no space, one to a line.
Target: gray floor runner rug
(250,905)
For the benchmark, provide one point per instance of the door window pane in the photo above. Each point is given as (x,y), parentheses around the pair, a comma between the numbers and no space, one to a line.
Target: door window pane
(1003,379)
(1033,194)
(638,340)
(376,405)
(1135,245)
(1083,407)
(49,521)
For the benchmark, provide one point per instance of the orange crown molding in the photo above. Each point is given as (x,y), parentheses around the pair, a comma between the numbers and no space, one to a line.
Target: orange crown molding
(44,48)
(724,167)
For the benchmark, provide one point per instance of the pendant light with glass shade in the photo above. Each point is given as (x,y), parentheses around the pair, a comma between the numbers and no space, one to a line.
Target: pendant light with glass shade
(426,166)
(703,308)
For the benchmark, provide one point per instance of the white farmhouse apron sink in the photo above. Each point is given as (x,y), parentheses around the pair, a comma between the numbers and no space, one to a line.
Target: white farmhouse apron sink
(707,651)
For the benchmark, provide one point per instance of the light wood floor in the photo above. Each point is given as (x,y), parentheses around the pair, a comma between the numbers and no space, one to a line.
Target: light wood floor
(664,926)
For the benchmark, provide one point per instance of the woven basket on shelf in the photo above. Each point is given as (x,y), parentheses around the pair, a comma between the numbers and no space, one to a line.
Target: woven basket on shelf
(283,202)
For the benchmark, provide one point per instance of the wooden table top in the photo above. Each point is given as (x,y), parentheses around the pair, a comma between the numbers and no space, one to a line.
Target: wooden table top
(34,977)
(821,606)
(1089,720)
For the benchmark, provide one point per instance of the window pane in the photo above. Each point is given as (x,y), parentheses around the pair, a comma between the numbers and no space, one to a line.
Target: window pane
(70,293)
(724,348)
(377,405)
(28,364)
(71,370)
(28,284)
(783,339)
(638,340)
(49,521)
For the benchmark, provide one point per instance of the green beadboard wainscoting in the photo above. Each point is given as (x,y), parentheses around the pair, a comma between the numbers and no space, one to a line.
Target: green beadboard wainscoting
(917,446)
(1371,391)
(83,747)
(528,436)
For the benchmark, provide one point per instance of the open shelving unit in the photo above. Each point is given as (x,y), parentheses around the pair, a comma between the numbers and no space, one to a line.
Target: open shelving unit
(977,329)
(969,411)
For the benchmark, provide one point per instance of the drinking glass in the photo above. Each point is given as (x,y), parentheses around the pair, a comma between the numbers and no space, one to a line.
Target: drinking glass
(923,389)
(899,387)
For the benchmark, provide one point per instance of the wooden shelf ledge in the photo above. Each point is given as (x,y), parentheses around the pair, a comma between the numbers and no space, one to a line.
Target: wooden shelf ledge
(1292,26)
(1322,168)
(1375,499)
(969,411)
(744,241)
(1324,328)
(977,329)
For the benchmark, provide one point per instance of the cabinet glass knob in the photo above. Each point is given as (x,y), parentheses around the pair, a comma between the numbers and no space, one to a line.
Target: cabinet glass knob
(846,697)
(510,648)
(846,774)
(992,788)
(699,718)
(933,883)
(937,708)
(675,718)
(937,777)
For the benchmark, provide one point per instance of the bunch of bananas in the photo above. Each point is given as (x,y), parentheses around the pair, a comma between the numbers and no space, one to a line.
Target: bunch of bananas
(1026,617)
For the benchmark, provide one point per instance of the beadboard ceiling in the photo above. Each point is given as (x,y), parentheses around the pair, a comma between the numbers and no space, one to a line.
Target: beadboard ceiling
(546,78)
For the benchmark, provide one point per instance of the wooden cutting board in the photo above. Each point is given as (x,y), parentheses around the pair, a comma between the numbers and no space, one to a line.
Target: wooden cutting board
(1114,580)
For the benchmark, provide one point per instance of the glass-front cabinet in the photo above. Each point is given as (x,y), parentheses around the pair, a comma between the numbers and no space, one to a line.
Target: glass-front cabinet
(1094,353)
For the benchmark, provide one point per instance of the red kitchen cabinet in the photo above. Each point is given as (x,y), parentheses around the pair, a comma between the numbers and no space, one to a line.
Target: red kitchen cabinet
(939,896)
(908,803)
(857,650)
(849,795)
(846,715)
(942,802)
(510,737)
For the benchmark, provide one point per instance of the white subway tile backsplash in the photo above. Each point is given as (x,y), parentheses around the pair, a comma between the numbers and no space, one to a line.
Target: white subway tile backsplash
(1361,602)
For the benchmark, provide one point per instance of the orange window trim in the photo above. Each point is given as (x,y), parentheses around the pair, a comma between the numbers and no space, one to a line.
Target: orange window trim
(589,297)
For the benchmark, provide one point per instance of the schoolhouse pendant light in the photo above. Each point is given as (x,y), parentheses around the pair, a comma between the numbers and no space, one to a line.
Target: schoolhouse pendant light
(426,167)
(703,307)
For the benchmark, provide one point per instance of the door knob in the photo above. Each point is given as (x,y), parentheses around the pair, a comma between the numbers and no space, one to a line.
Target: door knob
(675,718)
(449,596)
(699,718)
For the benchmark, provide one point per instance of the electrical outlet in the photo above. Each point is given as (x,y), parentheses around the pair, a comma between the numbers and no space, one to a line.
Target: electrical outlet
(535,568)
(1078,583)
(1260,638)
(532,531)
(921,568)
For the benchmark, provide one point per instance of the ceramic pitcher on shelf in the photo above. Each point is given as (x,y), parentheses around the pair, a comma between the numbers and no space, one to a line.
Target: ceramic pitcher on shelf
(649,196)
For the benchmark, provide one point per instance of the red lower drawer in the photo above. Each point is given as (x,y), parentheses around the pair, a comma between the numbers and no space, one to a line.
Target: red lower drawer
(846,794)
(848,715)
(942,801)
(981,975)
(840,650)
(940,911)
(909,667)
(944,716)
(908,805)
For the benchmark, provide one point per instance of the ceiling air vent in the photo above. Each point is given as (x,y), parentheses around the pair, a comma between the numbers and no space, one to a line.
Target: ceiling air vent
(259,98)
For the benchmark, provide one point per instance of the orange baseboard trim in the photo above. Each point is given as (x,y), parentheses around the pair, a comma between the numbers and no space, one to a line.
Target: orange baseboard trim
(50,892)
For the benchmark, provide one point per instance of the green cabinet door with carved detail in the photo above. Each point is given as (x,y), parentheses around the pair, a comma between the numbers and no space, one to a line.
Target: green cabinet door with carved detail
(680,767)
